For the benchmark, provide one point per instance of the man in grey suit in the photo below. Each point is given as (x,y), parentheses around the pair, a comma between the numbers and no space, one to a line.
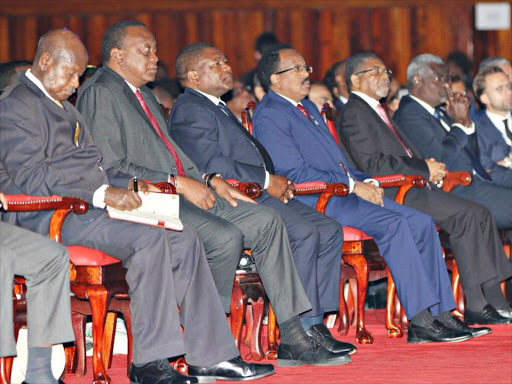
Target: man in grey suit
(47,149)
(45,266)
(129,128)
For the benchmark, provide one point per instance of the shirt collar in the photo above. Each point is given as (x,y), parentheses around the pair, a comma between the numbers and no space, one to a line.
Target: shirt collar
(214,99)
(370,100)
(428,107)
(132,87)
(496,119)
(343,99)
(290,100)
(37,82)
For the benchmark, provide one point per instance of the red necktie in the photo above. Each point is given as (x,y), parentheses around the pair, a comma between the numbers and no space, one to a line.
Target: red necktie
(179,165)
(303,110)
(383,114)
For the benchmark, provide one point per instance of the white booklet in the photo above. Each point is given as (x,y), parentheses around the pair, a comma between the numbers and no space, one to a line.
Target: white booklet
(158,209)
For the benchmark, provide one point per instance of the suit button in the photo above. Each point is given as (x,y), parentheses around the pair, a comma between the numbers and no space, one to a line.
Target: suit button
(340,164)
(173,168)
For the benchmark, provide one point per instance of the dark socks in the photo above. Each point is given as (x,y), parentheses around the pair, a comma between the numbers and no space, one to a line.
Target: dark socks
(475,299)
(423,319)
(444,317)
(39,366)
(292,332)
(307,321)
(495,297)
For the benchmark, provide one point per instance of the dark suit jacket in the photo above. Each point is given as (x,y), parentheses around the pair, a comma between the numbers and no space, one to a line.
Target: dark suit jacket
(373,147)
(39,157)
(124,133)
(493,148)
(216,143)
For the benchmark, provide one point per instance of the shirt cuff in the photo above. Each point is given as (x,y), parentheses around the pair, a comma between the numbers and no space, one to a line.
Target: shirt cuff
(98,198)
(267,180)
(351,184)
(467,130)
(373,181)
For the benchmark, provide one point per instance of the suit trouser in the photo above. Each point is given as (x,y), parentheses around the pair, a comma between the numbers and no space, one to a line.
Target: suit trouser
(166,269)
(495,198)
(474,238)
(408,241)
(45,266)
(226,230)
(502,176)
(316,242)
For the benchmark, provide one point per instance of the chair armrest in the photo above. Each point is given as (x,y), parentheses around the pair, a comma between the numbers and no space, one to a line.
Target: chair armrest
(165,187)
(456,178)
(326,191)
(62,206)
(249,188)
(403,182)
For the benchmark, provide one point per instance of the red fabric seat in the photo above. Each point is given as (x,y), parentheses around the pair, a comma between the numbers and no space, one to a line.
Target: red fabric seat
(79,255)
(354,234)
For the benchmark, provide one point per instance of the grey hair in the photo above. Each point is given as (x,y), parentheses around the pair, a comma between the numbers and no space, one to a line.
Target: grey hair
(493,61)
(420,65)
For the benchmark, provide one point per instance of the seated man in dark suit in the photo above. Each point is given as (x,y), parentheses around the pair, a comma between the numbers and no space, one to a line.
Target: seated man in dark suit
(377,146)
(214,138)
(45,265)
(494,124)
(334,79)
(303,149)
(47,149)
(448,135)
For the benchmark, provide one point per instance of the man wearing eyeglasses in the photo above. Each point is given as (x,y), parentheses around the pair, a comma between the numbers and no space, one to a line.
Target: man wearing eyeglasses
(494,124)
(378,146)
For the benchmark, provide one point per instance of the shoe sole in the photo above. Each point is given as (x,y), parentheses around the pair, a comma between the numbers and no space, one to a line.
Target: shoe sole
(414,340)
(212,379)
(296,363)
(482,333)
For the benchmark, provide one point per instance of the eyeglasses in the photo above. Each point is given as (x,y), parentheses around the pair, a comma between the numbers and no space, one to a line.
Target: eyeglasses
(297,69)
(503,87)
(376,71)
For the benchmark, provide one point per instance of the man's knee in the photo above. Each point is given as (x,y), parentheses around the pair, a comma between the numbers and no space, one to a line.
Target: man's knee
(226,243)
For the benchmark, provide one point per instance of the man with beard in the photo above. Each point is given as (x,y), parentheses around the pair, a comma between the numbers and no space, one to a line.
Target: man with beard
(494,125)
(214,138)
(379,147)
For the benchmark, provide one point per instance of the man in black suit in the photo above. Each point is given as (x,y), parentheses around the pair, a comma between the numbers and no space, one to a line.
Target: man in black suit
(214,138)
(377,146)
(449,134)
(334,79)
(47,149)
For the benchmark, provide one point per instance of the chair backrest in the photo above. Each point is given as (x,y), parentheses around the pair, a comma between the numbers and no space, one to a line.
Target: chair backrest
(329,116)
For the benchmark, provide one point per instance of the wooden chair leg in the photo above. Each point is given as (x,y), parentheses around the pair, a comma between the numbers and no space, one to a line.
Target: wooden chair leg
(238,308)
(271,353)
(5,369)
(360,265)
(75,354)
(127,315)
(343,310)
(258,310)
(98,298)
(458,311)
(394,331)
(352,302)
(249,324)
(109,334)
(507,249)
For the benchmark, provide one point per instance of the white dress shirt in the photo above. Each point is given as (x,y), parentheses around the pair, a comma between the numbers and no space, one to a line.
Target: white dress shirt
(497,120)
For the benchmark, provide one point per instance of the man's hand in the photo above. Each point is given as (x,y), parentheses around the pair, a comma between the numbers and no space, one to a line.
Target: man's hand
(457,107)
(122,199)
(3,200)
(506,162)
(281,188)
(195,192)
(144,187)
(369,192)
(436,169)
(228,193)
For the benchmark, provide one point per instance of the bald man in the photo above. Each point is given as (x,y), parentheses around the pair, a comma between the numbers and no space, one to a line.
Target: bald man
(47,149)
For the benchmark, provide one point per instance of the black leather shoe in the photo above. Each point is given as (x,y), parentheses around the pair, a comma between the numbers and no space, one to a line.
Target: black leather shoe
(506,313)
(235,369)
(309,352)
(323,336)
(158,372)
(434,333)
(488,316)
(455,323)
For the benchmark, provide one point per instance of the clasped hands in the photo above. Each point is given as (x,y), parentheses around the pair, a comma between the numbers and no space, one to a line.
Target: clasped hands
(281,188)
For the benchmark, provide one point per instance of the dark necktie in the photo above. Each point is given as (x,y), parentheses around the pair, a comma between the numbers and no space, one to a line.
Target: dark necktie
(269,165)
(477,166)
(507,129)
(149,114)
(383,114)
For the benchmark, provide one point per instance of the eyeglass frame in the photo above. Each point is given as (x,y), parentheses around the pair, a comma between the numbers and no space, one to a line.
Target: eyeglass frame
(386,71)
(297,68)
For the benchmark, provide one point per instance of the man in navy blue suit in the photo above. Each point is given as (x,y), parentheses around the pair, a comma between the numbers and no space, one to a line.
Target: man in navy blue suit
(494,125)
(213,137)
(294,133)
(448,135)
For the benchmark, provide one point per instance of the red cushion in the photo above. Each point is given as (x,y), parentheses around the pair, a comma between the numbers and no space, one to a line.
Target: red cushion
(28,198)
(353,234)
(310,185)
(79,255)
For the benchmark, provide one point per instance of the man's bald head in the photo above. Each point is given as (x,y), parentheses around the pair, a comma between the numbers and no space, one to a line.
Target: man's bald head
(59,61)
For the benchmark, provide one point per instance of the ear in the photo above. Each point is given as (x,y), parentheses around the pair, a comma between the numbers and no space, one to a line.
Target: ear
(355,80)
(193,77)
(484,99)
(417,80)
(116,55)
(274,80)
(45,61)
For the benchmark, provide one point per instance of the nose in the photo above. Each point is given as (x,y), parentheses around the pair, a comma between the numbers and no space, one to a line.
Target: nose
(75,82)
(227,68)
(154,57)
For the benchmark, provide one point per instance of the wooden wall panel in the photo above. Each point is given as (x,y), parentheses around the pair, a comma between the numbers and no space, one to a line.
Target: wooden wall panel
(324,31)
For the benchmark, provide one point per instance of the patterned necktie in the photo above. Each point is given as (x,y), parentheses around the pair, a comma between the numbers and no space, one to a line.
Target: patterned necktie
(149,114)
(507,129)
(383,114)
(269,165)
(303,110)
